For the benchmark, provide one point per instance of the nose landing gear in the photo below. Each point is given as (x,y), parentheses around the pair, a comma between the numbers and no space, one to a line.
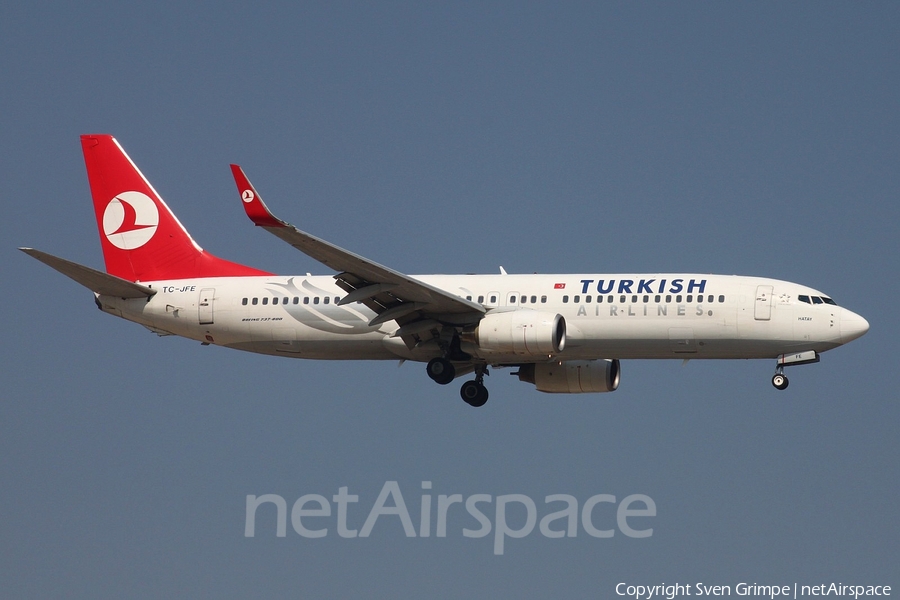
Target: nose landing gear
(784,360)
(779,380)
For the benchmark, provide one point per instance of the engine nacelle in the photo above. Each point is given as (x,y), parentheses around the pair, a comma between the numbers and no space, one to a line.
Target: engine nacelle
(523,332)
(573,376)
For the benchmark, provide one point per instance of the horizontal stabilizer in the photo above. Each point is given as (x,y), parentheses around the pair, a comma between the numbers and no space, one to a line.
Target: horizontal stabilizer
(96,281)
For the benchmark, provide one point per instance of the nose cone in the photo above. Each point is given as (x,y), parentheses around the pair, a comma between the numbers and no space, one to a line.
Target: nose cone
(852,326)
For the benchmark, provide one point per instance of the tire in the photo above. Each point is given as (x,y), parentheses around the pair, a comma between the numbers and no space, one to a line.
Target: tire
(441,370)
(780,381)
(474,393)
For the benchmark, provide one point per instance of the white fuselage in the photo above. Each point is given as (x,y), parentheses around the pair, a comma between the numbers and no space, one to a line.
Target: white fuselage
(607,316)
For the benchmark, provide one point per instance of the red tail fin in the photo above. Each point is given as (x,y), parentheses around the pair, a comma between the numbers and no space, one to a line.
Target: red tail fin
(142,239)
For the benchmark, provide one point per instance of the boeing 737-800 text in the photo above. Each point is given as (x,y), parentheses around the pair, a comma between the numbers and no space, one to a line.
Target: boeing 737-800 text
(563,333)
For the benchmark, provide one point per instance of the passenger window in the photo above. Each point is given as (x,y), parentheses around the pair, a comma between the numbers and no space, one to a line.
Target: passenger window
(244,302)
(493,299)
(285,300)
(306,300)
(336,299)
(565,299)
(678,299)
(609,299)
(512,299)
(710,298)
(646,299)
(316,300)
(543,299)
(469,298)
(480,299)
(265,300)
(326,299)
(721,299)
(296,300)
(254,301)
(634,299)
(587,298)
(668,298)
(657,298)
(622,299)
(690,298)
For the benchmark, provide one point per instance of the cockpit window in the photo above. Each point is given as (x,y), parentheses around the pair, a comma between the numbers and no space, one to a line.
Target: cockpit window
(816,300)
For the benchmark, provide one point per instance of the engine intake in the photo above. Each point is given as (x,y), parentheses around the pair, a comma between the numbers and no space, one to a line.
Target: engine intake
(573,376)
(522,332)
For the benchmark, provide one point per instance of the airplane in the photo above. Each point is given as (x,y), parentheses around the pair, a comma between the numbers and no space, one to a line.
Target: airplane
(562,333)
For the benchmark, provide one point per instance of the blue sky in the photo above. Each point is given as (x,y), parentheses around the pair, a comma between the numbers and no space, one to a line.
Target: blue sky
(756,139)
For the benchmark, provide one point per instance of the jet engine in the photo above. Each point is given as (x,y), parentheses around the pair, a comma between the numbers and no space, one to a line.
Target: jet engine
(522,332)
(573,376)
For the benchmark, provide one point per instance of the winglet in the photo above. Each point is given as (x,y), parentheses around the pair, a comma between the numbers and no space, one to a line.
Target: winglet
(255,208)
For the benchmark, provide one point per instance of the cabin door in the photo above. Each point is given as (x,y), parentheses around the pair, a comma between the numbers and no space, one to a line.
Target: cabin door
(205,306)
(762,311)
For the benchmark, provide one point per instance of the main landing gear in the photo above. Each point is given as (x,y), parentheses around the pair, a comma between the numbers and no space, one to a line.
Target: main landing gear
(473,392)
(441,370)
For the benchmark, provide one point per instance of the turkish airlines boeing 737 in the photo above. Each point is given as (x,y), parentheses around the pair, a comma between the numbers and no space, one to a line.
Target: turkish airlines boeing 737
(563,333)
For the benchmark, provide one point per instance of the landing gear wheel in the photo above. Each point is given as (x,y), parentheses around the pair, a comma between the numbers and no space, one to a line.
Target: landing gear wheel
(441,370)
(780,381)
(474,393)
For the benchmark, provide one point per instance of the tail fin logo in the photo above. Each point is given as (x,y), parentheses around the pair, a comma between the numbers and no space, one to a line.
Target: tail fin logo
(130,220)
(248,196)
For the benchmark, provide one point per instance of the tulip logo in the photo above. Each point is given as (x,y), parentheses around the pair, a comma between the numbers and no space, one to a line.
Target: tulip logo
(130,220)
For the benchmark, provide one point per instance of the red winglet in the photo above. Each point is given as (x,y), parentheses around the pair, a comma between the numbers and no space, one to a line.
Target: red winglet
(255,208)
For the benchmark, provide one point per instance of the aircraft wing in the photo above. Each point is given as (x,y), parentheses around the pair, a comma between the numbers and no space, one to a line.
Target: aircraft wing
(391,294)
(96,281)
